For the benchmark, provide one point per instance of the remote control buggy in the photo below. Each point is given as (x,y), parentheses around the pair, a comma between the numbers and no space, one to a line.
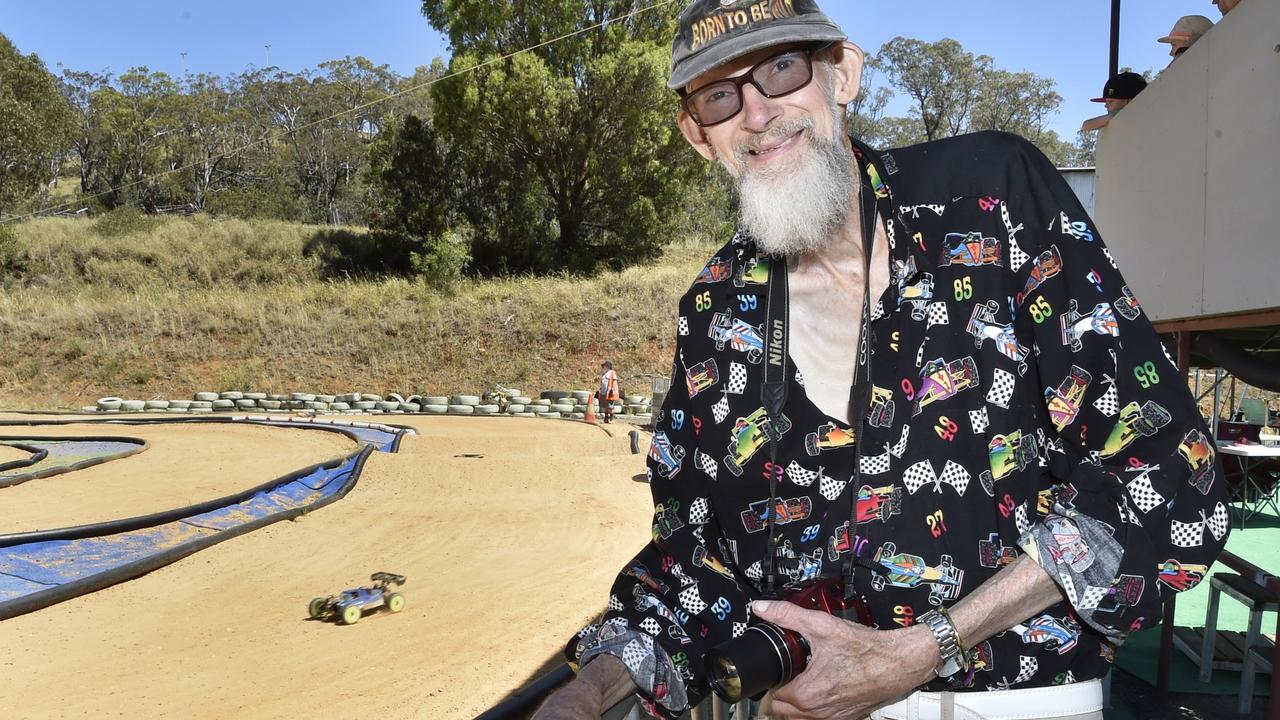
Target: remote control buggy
(349,605)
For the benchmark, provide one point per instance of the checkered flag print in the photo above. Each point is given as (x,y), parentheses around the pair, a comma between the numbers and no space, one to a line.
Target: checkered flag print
(1001,391)
(979,420)
(706,463)
(801,476)
(614,603)
(754,572)
(690,600)
(1016,256)
(1020,518)
(635,654)
(920,352)
(1068,586)
(877,312)
(956,476)
(699,512)
(1187,535)
(1144,495)
(1219,523)
(737,378)
(1109,403)
(919,475)
(799,378)
(829,487)
(739,628)
(937,315)
(720,410)
(697,534)
(901,445)
(1027,668)
(874,464)
(1090,598)
(650,626)
(682,325)
(1127,513)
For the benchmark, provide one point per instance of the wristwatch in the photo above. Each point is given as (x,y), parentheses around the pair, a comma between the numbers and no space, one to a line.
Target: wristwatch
(952,656)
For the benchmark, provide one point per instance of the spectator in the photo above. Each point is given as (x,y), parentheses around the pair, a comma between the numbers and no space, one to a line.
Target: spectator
(1226,6)
(1117,93)
(609,390)
(1185,33)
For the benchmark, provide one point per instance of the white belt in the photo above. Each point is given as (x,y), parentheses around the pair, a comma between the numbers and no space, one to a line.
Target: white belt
(1047,702)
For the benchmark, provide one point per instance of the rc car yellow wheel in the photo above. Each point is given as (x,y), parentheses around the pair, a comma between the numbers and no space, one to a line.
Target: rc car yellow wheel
(395,602)
(351,614)
(316,608)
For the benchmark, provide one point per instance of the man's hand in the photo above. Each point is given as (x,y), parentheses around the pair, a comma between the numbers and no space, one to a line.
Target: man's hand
(854,669)
(602,683)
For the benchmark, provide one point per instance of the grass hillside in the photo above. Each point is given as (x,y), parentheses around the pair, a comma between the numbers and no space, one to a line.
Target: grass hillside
(162,308)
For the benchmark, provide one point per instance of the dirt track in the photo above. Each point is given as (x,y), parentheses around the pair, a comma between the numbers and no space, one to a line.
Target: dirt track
(509,531)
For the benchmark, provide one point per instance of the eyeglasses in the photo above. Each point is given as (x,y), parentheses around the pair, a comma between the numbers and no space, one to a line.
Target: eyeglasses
(775,77)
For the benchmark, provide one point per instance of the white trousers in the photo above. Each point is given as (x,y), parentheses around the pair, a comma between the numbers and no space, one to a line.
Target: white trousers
(1077,701)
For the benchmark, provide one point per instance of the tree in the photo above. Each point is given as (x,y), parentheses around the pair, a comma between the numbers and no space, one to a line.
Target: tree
(570,157)
(35,125)
(942,78)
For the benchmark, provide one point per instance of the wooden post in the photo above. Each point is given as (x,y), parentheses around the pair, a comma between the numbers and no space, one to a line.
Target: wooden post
(1166,625)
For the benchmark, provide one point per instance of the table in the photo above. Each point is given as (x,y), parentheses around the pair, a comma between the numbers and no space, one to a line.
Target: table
(1261,494)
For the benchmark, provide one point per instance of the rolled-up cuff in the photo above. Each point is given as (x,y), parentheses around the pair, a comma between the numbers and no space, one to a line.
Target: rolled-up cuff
(1083,558)
(655,676)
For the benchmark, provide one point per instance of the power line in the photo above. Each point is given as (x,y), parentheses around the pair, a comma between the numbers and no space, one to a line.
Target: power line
(348,111)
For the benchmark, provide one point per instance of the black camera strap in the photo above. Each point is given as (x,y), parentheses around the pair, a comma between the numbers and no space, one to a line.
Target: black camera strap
(773,394)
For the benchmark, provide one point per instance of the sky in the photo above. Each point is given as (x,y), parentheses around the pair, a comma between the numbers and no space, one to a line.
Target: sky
(1067,41)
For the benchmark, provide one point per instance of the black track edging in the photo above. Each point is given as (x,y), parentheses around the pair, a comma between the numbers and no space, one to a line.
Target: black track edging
(94,583)
(526,697)
(37,454)
(90,462)
(111,527)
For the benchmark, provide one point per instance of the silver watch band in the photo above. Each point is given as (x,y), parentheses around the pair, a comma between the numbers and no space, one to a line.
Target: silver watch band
(952,657)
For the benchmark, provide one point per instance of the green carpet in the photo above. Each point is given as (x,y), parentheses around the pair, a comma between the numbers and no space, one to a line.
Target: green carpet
(1258,543)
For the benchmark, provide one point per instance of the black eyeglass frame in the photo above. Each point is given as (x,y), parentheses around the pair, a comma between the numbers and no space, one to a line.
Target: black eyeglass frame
(740,81)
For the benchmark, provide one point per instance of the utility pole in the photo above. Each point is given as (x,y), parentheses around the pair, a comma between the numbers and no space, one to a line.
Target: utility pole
(184,64)
(268,47)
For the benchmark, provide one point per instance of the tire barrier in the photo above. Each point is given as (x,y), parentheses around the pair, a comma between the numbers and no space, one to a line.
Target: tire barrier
(570,404)
(41,568)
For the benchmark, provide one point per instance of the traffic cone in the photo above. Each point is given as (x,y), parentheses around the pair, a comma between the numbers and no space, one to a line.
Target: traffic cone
(590,414)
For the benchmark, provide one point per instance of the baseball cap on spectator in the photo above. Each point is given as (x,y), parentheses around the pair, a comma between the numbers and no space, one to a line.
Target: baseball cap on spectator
(712,33)
(1124,86)
(1187,29)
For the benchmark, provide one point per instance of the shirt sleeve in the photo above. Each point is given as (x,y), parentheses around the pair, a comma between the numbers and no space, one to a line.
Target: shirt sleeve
(1134,505)
(679,596)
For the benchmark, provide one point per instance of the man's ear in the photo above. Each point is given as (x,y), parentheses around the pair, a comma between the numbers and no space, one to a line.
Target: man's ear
(847,62)
(696,136)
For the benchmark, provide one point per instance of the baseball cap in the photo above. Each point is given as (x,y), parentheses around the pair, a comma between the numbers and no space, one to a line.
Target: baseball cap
(1187,27)
(1124,86)
(712,33)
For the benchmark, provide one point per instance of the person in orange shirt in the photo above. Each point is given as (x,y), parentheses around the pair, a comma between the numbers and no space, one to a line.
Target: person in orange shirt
(609,390)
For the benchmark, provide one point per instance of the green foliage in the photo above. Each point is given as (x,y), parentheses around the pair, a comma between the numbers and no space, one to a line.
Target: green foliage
(954,91)
(441,262)
(13,255)
(124,220)
(35,123)
(569,155)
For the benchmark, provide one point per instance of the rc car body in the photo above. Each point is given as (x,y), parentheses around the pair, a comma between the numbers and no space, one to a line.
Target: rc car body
(348,606)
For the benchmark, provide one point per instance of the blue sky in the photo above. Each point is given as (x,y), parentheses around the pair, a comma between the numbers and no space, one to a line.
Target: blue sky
(1067,41)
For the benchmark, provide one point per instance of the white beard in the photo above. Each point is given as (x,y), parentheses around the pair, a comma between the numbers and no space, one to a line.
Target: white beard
(797,210)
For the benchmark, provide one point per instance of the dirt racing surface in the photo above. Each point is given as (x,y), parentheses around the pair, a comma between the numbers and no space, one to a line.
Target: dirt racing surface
(509,531)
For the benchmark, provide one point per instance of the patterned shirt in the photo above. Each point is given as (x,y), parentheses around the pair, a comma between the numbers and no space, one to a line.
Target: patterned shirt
(1019,402)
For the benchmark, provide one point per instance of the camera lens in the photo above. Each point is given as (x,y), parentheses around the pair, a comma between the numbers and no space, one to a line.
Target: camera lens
(765,656)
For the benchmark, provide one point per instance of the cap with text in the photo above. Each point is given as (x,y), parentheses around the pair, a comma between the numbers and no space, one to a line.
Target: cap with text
(712,33)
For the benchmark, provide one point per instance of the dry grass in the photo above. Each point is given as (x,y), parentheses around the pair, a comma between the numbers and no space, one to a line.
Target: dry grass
(198,304)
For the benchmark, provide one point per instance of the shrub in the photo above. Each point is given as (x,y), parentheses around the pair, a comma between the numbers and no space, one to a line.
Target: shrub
(13,253)
(124,220)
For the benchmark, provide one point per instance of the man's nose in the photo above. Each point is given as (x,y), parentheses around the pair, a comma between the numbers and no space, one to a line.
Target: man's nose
(758,111)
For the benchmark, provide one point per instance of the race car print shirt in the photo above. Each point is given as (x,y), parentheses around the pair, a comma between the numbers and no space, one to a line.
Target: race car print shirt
(1019,401)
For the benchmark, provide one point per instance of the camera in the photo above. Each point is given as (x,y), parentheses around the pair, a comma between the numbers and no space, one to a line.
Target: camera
(767,656)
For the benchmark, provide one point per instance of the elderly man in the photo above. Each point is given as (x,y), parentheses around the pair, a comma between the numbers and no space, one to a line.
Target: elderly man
(916,374)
